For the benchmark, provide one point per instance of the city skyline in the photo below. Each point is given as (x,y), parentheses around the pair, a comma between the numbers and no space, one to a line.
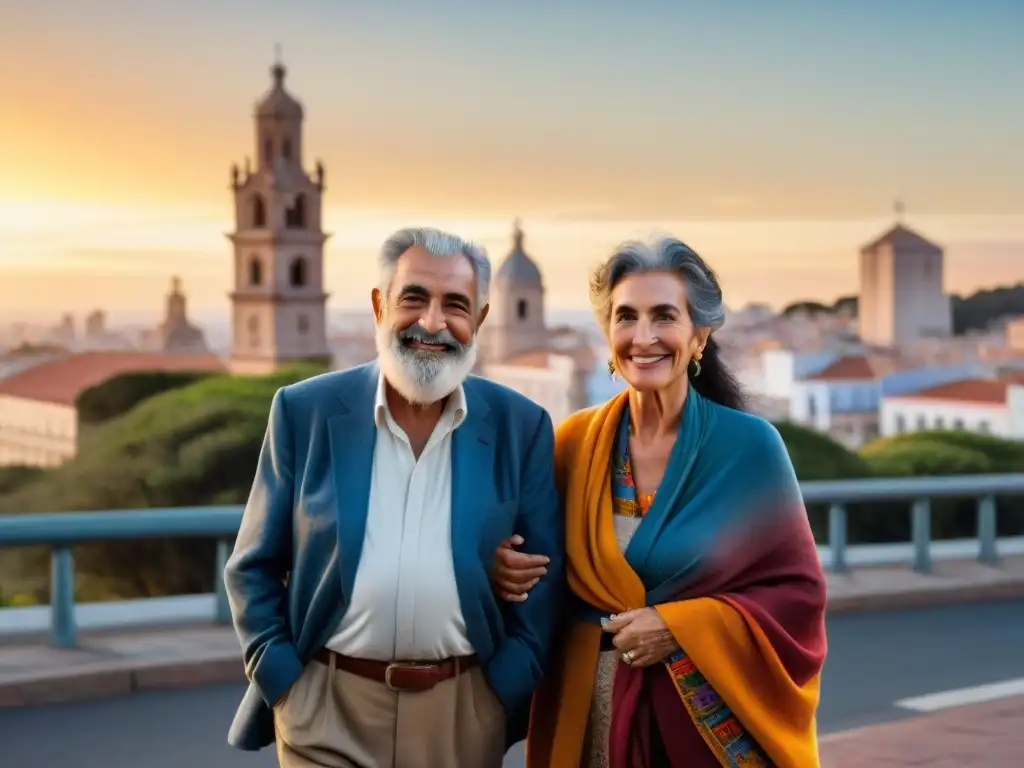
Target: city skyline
(808,123)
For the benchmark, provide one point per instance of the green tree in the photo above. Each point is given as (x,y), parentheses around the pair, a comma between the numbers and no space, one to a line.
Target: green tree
(122,393)
(192,446)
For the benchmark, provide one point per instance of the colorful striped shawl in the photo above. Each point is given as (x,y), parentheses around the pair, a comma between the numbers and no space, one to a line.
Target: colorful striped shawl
(726,556)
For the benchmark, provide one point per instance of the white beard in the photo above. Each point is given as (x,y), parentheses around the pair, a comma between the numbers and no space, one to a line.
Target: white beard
(422,378)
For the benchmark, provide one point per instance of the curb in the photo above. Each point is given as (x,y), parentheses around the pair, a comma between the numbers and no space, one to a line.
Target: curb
(916,597)
(117,678)
(127,676)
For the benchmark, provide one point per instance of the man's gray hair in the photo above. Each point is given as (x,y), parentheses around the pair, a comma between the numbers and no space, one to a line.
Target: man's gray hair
(663,254)
(440,244)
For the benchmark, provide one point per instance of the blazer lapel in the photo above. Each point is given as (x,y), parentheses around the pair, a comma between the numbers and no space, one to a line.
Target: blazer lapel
(473,447)
(353,435)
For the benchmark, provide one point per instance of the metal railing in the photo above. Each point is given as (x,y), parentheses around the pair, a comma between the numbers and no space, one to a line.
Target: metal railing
(61,531)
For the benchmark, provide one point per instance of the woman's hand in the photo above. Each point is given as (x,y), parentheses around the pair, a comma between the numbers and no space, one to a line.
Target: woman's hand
(516,573)
(641,637)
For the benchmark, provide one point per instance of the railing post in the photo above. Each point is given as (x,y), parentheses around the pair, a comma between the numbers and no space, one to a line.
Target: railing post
(223,607)
(921,530)
(837,536)
(987,551)
(62,597)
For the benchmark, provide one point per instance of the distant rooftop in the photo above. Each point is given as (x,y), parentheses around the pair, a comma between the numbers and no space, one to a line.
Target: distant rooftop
(974,391)
(850,367)
(62,381)
(902,238)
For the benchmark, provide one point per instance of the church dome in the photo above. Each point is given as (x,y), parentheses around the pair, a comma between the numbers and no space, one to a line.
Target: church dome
(277,102)
(518,268)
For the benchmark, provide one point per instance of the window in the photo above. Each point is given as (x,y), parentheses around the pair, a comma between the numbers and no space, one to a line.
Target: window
(297,272)
(983,427)
(522,309)
(303,325)
(295,215)
(940,423)
(268,151)
(901,423)
(922,423)
(286,149)
(958,423)
(259,212)
(255,271)
(812,408)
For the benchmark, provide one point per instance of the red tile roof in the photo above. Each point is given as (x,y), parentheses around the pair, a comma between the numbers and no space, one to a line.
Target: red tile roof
(977,391)
(845,369)
(62,381)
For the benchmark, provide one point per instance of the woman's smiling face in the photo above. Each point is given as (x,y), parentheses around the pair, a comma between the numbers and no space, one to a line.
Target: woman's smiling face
(651,335)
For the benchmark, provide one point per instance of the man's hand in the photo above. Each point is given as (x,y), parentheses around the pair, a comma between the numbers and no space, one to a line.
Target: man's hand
(641,637)
(516,573)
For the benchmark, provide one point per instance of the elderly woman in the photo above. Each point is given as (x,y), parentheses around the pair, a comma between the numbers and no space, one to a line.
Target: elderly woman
(697,634)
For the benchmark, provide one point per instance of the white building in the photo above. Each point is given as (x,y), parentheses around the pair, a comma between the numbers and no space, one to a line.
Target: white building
(38,414)
(987,406)
(278,303)
(902,298)
(840,400)
(783,368)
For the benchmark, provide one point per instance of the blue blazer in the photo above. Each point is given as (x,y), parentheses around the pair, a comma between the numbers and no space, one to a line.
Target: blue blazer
(295,559)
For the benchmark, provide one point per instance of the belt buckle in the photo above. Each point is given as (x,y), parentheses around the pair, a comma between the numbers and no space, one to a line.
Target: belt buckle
(402,665)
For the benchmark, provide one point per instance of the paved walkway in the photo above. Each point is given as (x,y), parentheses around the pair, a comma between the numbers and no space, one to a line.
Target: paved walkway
(880,588)
(110,663)
(989,735)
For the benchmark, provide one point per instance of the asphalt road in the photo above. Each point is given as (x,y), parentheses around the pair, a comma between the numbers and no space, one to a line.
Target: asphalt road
(874,660)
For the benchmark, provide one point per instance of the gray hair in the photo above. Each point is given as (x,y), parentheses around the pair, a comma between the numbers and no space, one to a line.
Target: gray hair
(664,254)
(440,244)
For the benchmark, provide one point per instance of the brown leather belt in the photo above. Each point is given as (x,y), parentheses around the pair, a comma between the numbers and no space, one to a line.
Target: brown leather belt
(400,676)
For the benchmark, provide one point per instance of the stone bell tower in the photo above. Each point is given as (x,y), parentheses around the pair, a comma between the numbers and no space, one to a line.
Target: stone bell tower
(279,307)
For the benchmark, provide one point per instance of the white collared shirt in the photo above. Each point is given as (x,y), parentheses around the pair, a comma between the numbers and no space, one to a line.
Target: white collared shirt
(405,602)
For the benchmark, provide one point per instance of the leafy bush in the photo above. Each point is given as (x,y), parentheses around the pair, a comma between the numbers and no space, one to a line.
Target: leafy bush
(120,394)
(817,457)
(12,478)
(924,458)
(933,454)
(192,446)
(943,453)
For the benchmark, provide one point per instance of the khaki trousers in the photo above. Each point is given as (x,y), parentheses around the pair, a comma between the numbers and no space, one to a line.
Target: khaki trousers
(334,719)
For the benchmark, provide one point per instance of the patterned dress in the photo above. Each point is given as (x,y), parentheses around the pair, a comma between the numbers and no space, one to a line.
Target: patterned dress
(716,723)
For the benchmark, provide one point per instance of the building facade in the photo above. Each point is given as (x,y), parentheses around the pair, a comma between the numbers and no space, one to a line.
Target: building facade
(974,405)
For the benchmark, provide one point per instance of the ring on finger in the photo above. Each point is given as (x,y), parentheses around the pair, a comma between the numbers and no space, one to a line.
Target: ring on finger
(629,657)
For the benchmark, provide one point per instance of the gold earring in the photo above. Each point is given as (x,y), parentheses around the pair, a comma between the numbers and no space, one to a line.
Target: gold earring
(696,367)
(611,367)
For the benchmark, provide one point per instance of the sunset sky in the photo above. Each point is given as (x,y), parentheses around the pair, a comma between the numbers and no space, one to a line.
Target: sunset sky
(772,136)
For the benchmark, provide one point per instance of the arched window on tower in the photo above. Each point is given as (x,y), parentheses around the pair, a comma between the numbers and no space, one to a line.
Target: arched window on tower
(259,212)
(297,272)
(286,149)
(268,152)
(295,215)
(255,271)
(303,325)
(522,309)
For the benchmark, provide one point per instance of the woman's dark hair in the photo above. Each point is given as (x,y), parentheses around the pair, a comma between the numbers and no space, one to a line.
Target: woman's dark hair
(704,303)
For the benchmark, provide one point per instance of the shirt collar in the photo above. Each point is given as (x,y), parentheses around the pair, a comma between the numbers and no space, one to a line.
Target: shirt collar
(454,412)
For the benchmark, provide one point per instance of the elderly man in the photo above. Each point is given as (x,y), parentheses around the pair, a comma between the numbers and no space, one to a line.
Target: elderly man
(359,583)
